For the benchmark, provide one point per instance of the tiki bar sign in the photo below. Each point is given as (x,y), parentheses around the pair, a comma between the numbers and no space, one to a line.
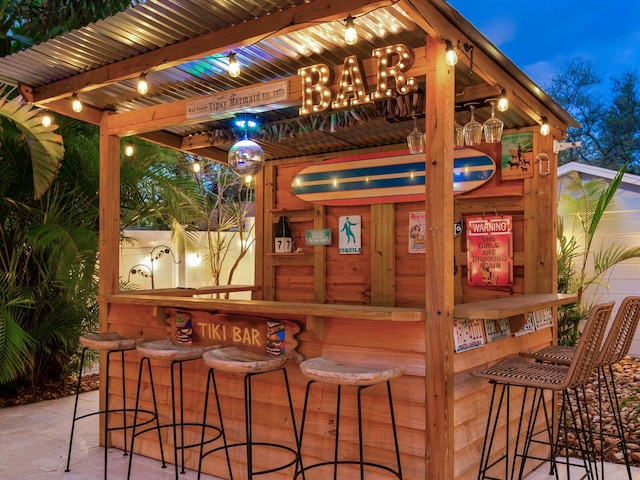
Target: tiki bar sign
(390,62)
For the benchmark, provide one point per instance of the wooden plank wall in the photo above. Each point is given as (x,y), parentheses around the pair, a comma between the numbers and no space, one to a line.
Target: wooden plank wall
(386,274)
(356,279)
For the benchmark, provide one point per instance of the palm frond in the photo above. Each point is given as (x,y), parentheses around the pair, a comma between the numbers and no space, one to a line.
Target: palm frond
(45,146)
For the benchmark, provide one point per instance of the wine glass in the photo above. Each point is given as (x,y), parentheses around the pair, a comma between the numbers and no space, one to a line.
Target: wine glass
(458,135)
(416,140)
(473,130)
(493,126)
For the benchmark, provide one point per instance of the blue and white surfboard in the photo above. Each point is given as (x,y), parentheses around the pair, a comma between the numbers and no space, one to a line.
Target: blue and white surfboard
(389,177)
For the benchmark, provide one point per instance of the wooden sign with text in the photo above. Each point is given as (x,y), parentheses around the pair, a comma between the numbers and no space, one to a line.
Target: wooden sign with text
(264,335)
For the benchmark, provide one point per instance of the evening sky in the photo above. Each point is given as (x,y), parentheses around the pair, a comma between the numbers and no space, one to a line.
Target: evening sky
(541,37)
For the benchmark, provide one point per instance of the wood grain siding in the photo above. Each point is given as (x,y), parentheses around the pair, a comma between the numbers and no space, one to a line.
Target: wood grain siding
(372,307)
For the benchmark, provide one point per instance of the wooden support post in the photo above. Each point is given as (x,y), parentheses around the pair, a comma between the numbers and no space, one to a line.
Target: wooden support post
(439,294)
(109,237)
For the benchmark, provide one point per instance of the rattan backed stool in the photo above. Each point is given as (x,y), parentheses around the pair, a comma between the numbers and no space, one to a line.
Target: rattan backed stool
(326,371)
(516,371)
(614,349)
(166,351)
(110,343)
(249,364)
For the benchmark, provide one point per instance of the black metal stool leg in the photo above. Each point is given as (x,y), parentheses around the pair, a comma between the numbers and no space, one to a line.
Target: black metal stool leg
(335,452)
(105,439)
(613,399)
(211,380)
(360,444)
(395,430)
(135,433)
(124,403)
(75,408)
(300,466)
(490,437)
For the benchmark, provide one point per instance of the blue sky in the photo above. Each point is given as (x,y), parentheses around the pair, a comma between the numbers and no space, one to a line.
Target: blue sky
(542,36)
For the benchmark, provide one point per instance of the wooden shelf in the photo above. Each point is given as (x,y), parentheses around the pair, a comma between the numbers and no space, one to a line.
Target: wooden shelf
(511,306)
(267,307)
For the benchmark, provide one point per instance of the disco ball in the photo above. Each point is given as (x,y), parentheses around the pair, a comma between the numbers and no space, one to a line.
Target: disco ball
(246,157)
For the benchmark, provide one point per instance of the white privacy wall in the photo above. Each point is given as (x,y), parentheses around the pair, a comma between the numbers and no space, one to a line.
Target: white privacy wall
(621,225)
(173,270)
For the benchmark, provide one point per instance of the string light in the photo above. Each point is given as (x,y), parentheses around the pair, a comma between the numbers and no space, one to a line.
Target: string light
(234,66)
(128,149)
(143,85)
(196,166)
(46,120)
(350,33)
(451,57)
(544,128)
(76,104)
(503,101)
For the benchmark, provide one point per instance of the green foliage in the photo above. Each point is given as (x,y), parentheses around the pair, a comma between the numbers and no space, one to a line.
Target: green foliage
(609,117)
(580,263)
(45,146)
(224,203)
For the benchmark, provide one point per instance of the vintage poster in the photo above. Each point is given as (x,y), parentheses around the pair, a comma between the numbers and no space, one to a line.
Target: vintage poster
(350,239)
(417,222)
(490,251)
(517,156)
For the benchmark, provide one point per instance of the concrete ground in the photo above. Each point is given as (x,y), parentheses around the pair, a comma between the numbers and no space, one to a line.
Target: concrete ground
(35,443)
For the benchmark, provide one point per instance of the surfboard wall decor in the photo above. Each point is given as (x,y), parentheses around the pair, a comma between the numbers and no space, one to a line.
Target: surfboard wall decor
(389,177)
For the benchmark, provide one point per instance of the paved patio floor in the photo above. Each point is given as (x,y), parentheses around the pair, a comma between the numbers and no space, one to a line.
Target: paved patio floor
(35,443)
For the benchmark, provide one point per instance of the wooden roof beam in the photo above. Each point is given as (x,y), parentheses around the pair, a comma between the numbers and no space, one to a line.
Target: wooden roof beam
(212,43)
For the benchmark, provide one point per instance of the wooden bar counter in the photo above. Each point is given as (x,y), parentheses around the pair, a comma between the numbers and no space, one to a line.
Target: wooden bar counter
(351,334)
(374,335)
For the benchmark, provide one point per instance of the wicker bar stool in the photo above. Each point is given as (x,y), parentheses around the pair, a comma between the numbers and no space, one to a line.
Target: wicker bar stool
(614,349)
(323,370)
(249,364)
(111,343)
(166,351)
(516,371)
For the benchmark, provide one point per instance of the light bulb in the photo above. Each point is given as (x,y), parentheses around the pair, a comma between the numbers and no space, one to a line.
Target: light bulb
(46,120)
(544,128)
(76,104)
(128,149)
(503,102)
(234,66)
(196,166)
(451,57)
(143,85)
(350,33)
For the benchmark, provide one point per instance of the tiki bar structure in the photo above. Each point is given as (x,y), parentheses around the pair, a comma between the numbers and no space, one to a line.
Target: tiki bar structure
(441,265)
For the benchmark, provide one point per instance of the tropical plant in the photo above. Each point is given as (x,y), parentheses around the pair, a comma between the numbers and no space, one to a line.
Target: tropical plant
(45,146)
(225,204)
(580,263)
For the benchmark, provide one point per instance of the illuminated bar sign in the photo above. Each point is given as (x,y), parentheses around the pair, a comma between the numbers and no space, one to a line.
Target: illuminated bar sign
(391,64)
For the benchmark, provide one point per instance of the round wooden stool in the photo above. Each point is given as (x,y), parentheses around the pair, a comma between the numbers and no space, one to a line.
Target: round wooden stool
(165,350)
(109,342)
(249,364)
(326,371)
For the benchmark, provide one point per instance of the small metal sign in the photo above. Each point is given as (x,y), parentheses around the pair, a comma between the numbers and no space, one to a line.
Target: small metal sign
(319,236)
(350,234)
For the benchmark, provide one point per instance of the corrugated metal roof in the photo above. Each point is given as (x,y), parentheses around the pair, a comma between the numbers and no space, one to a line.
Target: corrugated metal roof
(156,24)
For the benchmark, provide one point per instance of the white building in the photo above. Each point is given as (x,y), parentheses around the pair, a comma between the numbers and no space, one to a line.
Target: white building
(622,225)
(171,269)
